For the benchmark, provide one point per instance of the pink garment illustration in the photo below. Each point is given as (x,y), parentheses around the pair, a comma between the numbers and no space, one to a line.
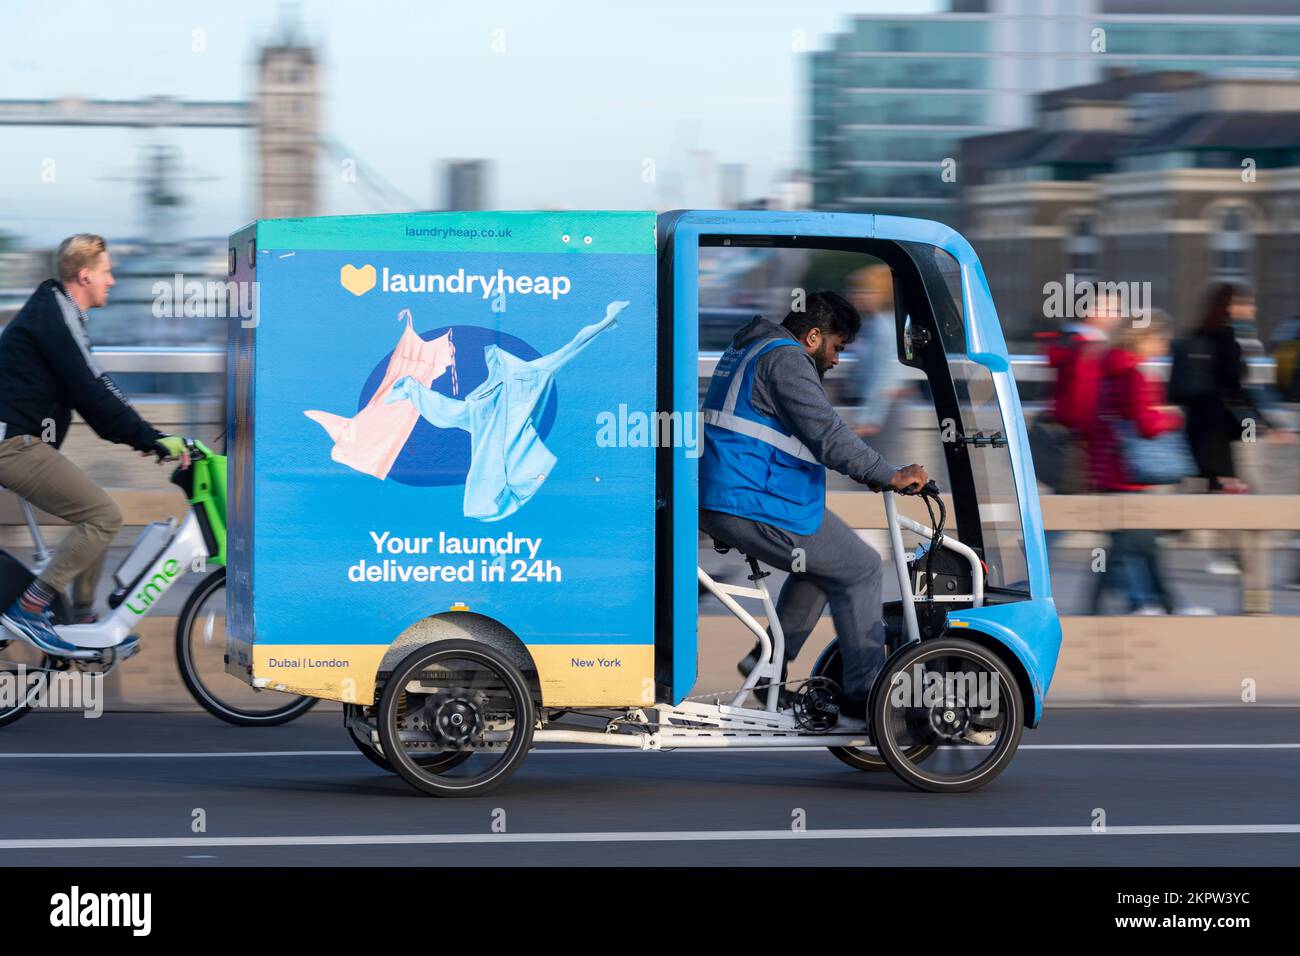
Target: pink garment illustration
(371,440)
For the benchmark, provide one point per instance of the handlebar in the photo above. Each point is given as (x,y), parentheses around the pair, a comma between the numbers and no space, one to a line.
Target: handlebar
(929,490)
(197,450)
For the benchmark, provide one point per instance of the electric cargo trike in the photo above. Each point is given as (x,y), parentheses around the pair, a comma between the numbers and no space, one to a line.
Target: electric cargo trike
(485,538)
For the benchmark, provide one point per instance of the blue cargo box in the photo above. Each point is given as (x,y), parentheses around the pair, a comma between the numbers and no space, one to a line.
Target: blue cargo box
(437,426)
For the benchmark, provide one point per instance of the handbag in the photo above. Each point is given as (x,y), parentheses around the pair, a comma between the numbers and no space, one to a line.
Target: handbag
(1165,459)
(1049,445)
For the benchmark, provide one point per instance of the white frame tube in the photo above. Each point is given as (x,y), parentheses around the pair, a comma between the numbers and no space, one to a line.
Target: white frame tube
(976,569)
(900,566)
(184,547)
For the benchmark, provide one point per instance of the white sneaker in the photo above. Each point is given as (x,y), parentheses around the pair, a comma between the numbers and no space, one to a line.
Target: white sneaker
(1195,610)
(1149,610)
(1222,566)
(980,738)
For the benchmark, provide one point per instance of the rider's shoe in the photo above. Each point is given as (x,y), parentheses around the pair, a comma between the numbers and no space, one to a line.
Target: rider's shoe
(981,738)
(784,697)
(37,630)
(749,661)
(854,707)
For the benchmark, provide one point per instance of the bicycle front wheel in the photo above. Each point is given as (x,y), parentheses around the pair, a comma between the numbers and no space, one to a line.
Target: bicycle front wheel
(201,655)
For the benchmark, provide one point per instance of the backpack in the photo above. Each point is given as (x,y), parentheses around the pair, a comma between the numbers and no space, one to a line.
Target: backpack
(1192,374)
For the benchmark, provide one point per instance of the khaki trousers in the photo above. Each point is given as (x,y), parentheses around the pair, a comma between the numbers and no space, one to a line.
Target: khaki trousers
(40,473)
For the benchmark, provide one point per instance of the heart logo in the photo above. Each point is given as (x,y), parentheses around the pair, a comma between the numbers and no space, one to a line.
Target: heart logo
(357,281)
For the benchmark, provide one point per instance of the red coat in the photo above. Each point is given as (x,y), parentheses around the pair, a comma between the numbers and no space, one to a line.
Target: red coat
(1077,363)
(1123,392)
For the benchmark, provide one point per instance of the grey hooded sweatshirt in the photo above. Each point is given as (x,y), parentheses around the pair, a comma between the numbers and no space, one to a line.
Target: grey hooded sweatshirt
(788,388)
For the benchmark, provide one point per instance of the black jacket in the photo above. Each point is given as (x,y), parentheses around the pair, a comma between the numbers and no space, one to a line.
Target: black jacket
(1216,418)
(47,370)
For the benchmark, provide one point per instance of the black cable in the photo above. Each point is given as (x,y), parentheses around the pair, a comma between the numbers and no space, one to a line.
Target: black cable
(936,540)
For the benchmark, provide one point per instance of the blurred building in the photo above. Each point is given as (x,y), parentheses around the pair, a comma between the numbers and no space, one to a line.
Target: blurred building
(1172,178)
(892,96)
(466,184)
(731,185)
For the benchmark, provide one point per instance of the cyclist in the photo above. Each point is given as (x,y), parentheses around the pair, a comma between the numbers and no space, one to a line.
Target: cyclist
(770,433)
(46,371)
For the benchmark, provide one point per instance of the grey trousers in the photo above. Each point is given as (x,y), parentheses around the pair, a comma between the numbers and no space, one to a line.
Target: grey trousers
(833,565)
(39,472)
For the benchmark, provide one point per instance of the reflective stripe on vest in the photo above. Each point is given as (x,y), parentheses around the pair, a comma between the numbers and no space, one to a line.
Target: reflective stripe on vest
(752,466)
(764,433)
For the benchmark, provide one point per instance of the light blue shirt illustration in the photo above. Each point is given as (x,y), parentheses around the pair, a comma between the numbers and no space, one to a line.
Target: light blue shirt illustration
(508,460)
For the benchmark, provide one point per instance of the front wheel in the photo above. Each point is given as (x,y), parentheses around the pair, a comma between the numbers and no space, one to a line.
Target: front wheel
(201,656)
(954,691)
(456,696)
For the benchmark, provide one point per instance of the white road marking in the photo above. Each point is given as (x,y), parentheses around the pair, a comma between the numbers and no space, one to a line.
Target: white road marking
(647,836)
(598,749)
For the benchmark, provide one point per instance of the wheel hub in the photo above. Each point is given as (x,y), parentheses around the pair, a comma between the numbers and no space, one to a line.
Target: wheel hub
(950,722)
(457,720)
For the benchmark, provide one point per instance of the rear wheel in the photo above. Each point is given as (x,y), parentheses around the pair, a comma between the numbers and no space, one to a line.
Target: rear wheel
(432,764)
(460,696)
(201,656)
(19,662)
(957,693)
(868,759)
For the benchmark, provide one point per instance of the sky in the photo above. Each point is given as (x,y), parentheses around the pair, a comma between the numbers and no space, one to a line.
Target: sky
(569,99)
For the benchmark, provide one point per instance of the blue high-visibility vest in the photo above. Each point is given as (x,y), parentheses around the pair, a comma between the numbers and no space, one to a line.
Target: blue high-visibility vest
(752,466)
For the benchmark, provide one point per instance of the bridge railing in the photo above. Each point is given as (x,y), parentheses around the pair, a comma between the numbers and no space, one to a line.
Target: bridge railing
(1249,654)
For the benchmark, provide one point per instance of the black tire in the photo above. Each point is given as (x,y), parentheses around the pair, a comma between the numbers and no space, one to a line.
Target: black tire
(897,726)
(226,699)
(443,761)
(11,708)
(21,653)
(867,759)
(487,684)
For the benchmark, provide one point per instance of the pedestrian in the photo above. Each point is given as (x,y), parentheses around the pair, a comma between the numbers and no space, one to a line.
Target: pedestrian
(1074,355)
(879,376)
(1126,395)
(1207,381)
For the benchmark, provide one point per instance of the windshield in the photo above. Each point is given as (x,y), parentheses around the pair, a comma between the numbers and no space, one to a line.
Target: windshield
(981,430)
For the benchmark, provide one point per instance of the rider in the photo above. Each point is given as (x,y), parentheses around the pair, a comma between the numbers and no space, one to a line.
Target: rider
(46,370)
(769,434)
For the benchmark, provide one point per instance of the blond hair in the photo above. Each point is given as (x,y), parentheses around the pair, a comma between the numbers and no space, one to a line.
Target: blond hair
(877,278)
(1130,337)
(79,252)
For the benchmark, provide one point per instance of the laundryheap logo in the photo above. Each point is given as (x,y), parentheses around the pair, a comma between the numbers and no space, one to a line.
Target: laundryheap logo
(360,280)
(357,281)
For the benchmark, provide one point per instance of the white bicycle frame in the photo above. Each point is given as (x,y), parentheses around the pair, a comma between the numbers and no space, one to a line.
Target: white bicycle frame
(173,563)
(701,724)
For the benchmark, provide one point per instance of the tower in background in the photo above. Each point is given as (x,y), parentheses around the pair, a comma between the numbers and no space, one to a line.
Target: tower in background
(466,184)
(287,106)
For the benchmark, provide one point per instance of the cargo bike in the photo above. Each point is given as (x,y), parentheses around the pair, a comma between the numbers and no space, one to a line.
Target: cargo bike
(511,561)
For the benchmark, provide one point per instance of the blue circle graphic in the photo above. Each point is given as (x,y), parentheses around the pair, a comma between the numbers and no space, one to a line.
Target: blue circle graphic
(440,456)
